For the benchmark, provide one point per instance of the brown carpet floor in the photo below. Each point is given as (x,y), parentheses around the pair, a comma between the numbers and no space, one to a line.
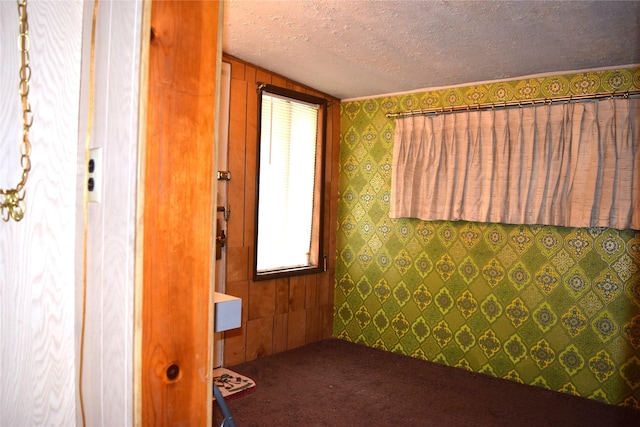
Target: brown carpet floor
(337,383)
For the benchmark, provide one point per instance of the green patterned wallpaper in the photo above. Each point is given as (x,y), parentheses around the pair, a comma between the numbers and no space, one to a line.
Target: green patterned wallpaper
(546,306)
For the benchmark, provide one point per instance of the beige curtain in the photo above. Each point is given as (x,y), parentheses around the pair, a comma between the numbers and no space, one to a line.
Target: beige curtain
(571,164)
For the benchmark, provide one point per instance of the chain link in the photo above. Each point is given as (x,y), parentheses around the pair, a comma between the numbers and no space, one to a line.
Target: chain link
(12,200)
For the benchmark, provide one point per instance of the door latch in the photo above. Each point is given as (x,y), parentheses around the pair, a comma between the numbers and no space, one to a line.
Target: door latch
(226,212)
(224,176)
(221,240)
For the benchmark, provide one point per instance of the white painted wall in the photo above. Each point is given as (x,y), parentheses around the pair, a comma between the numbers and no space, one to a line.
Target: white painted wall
(108,363)
(42,257)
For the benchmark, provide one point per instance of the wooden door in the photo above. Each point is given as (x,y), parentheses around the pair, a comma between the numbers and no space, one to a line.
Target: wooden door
(178,249)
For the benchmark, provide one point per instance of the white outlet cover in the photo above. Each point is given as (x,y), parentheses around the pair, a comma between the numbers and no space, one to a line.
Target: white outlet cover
(94,193)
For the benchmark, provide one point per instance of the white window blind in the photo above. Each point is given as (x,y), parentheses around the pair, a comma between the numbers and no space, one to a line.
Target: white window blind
(289,132)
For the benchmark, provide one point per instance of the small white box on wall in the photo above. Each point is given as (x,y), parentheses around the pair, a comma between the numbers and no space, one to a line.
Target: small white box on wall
(228,312)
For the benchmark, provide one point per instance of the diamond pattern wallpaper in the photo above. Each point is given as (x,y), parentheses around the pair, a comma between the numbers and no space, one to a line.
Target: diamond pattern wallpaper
(545,306)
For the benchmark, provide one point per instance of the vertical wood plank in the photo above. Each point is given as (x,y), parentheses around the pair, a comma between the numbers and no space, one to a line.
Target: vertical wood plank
(279,81)
(310,290)
(237,68)
(280,326)
(252,76)
(297,297)
(238,263)
(183,63)
(237,148)
(326,321)
(262,299)
(323,289)
(259,337)
(297,329)
(235,339)
(313,325)
(282,295)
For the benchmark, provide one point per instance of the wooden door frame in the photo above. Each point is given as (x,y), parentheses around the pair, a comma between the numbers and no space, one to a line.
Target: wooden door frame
(175,245)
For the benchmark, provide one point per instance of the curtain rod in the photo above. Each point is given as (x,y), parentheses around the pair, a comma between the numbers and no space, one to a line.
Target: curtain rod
(519,103)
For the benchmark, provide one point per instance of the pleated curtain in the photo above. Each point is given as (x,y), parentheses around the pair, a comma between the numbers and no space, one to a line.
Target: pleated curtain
(562,164)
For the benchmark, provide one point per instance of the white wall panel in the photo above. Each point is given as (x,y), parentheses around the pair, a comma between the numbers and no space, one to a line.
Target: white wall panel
(111,223)
(37,255)
(42,257)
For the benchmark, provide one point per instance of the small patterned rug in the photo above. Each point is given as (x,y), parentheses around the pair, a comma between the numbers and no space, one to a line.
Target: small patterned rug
(231,384)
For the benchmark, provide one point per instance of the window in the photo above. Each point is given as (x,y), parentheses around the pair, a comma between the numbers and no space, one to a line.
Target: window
(289,187)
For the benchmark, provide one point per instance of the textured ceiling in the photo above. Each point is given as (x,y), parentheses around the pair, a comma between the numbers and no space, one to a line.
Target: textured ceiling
(364,48)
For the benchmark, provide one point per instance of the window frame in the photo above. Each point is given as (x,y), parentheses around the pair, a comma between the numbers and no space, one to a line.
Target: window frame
(317,234)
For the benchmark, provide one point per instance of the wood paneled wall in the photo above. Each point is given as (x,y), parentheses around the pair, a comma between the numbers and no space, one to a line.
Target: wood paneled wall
(281,314)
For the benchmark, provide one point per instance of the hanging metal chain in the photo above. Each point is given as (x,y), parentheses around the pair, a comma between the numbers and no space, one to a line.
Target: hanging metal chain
(12,200)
